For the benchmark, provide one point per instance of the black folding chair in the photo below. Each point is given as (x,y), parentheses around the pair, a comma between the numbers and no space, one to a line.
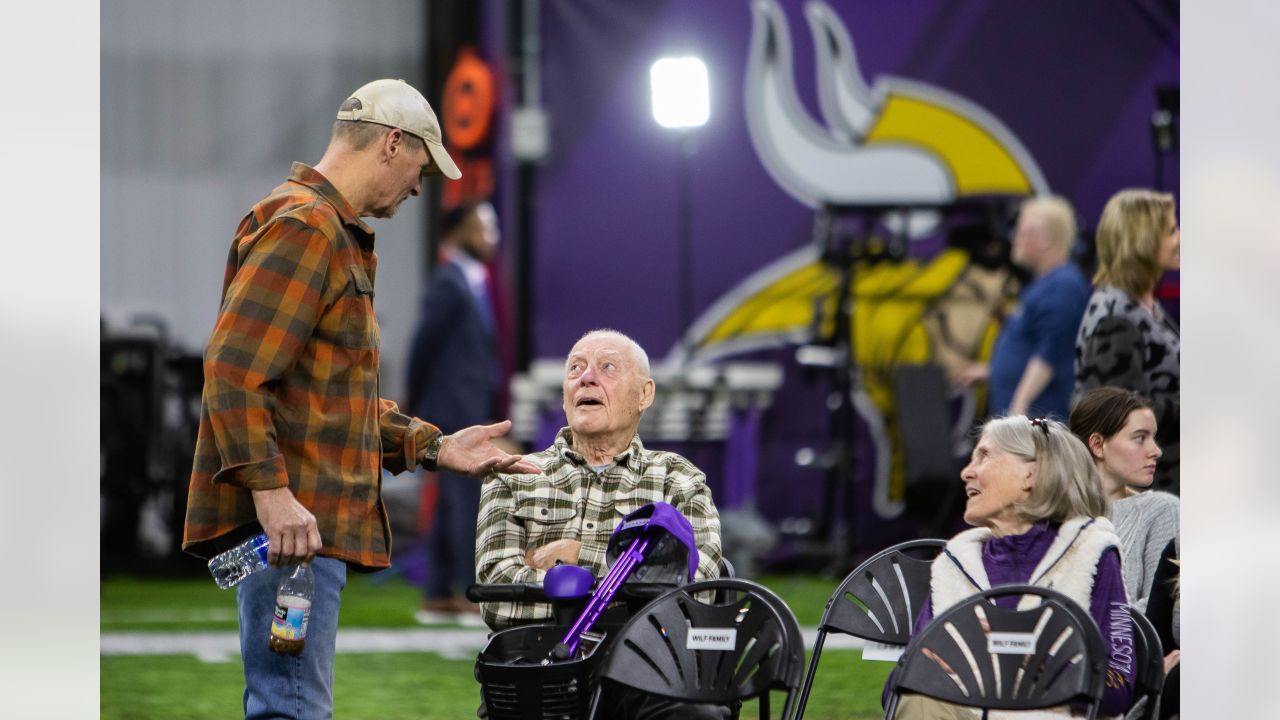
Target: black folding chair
(878,601)
(980,655)
(716,653)
(1149,674)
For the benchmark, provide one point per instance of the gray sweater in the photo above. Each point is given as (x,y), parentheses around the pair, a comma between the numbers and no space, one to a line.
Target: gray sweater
(1145,523)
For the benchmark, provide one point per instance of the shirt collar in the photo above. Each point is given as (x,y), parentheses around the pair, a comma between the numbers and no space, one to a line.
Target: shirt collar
(629,458)
(472,269)
(1119,293)
(306,175)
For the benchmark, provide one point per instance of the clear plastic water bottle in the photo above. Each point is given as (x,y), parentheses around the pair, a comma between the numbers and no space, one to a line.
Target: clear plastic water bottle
(293,610)
(239,562)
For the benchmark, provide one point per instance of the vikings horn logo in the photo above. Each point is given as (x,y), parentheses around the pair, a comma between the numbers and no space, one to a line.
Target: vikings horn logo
(900,141)
(897,141)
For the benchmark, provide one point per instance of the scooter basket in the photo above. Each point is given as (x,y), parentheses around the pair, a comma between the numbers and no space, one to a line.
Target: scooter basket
(516,686)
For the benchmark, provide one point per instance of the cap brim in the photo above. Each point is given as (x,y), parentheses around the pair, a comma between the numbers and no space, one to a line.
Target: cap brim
(447,167)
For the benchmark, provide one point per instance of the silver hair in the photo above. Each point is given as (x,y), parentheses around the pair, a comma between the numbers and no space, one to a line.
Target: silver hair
(1067,481)
(638,354)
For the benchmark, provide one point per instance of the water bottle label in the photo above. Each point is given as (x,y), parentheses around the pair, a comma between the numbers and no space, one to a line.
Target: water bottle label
(290,623)
(261,545)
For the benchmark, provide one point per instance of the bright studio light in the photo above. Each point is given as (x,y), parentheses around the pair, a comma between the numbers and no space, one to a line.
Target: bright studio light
(681,95)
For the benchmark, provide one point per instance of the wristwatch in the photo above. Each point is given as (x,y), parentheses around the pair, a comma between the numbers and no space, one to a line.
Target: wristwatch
(431,453)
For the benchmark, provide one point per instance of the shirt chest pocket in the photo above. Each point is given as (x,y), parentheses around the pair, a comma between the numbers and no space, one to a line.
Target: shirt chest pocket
(626,503)
(547,519)
(359,326)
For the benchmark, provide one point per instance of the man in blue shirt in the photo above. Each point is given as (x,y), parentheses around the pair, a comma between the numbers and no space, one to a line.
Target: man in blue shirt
(1031,370)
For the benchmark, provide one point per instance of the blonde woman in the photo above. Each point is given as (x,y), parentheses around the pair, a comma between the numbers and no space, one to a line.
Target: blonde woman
(1125,339)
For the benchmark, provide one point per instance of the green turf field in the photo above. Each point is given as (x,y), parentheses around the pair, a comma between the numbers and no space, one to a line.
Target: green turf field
(381,686)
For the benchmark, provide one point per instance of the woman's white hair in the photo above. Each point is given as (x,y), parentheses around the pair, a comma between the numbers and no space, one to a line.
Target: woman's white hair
(1067,481)
(638,354)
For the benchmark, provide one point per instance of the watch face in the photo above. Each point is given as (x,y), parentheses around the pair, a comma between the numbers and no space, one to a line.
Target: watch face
(432,451)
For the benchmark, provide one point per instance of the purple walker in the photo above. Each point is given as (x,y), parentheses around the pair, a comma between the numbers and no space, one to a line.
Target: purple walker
(539,672)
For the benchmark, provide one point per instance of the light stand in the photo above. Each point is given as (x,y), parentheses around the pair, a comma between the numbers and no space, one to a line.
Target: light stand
(681,101)
(684,232)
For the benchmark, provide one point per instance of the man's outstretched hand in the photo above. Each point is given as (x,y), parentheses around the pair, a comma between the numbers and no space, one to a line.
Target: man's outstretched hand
(471,451)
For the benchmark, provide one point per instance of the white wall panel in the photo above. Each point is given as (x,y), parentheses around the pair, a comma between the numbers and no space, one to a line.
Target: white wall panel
(204,107)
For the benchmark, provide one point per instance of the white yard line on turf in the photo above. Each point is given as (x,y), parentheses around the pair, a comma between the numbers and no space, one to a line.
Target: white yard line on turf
(452,643)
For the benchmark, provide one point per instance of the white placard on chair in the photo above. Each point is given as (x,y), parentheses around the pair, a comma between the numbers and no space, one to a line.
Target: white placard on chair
(712,638)
(883,652)
(1011,643)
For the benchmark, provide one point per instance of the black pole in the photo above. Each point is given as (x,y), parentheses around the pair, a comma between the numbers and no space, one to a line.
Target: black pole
(843,420)
(526,79)
(836,520)
(446,29)
(526,186)
(685,235)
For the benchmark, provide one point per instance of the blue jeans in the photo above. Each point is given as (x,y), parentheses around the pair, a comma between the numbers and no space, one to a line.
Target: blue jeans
(451,544)
(287,686)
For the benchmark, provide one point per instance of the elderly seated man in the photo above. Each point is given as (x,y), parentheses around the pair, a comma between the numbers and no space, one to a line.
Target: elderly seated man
(596,471)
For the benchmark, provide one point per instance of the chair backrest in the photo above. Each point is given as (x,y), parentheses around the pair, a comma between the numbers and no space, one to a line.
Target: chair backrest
(719,652)
(981,655)
(726,571)
(1149,667)
(880,599)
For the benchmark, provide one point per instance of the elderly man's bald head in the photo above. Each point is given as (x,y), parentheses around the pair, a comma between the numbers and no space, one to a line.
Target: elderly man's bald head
(638,355)
(606,389)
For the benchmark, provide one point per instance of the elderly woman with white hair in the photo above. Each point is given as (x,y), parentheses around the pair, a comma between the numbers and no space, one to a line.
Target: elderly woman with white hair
(1035,500)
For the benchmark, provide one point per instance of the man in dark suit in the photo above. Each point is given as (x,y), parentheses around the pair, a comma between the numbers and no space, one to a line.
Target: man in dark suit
(454,371)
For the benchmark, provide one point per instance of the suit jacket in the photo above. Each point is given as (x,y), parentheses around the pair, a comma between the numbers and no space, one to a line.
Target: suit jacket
(453,362)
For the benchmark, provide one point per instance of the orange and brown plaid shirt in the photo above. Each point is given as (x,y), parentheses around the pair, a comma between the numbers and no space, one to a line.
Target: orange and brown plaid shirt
(291,380)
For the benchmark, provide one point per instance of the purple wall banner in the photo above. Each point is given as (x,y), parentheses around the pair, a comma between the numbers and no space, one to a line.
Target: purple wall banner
(922,103)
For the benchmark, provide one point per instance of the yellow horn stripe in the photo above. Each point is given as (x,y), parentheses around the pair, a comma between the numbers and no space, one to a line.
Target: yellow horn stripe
(782,306)
(786,305)
(978,162)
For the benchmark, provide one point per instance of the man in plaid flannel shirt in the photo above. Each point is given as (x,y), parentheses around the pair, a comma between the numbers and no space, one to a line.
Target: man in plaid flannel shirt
(293,436)
(596,472)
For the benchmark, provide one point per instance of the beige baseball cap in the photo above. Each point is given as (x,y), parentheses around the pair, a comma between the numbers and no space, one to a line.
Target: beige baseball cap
(397,104)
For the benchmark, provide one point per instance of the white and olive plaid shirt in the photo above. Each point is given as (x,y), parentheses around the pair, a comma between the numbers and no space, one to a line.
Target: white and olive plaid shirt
(569,500)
